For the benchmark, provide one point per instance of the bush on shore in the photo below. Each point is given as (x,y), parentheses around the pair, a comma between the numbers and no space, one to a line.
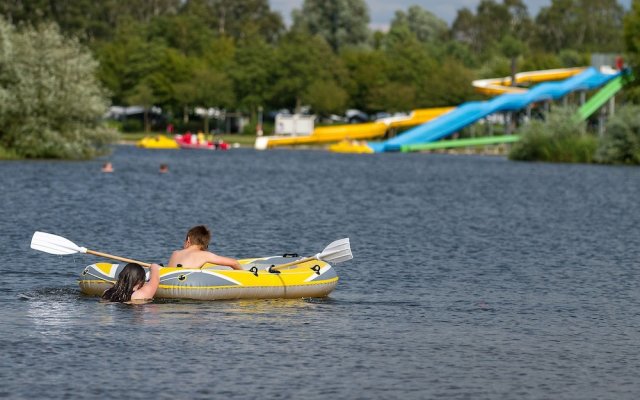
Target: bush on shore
(621,143)
(557,139)
(51,103)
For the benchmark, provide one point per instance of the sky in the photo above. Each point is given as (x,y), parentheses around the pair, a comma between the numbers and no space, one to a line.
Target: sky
(382,11)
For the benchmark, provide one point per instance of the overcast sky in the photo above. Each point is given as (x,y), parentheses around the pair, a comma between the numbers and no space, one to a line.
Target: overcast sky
(382,11)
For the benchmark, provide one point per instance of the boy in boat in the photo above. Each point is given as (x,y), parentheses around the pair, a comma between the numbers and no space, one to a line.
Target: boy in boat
(194,253)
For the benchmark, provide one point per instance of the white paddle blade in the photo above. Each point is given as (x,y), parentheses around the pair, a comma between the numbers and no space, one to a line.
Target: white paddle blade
(337,252)
(54,244)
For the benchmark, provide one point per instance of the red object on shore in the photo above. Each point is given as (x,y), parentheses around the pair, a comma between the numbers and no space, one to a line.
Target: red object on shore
(187,141)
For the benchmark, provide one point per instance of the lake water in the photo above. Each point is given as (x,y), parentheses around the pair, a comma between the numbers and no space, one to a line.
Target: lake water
(473,278)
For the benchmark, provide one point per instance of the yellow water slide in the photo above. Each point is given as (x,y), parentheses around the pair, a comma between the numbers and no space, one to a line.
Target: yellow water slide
(497,86)
(349,136)
(364,131)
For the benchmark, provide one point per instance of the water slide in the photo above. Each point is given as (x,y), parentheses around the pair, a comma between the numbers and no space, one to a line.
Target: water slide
(471,112)
(377,129)
(368,130)
(498,86)
(603,95)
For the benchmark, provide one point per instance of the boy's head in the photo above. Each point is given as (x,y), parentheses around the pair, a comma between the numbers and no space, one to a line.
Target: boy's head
(200,236)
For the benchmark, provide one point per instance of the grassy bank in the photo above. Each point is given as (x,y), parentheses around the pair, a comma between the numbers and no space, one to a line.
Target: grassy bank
(8,154)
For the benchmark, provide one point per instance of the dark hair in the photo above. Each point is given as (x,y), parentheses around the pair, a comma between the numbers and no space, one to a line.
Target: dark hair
(199,235)
(131,275)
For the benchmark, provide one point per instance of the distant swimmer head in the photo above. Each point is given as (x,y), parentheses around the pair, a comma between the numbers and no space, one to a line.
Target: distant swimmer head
(107,167)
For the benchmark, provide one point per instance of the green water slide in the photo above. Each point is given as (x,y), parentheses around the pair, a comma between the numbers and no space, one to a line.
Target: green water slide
(448,144)
(602,96)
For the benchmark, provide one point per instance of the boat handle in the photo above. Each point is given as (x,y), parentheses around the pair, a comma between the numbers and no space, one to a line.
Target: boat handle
(316,268)
(273,271)
(254,270)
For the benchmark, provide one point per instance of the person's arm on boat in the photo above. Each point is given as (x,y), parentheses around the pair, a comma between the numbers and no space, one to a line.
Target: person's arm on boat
(148,290)
(219,260)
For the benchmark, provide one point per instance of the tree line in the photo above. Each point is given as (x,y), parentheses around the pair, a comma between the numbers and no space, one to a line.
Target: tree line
(239,55)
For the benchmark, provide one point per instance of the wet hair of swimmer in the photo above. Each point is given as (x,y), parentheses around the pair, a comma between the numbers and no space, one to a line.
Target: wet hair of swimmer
(131,276)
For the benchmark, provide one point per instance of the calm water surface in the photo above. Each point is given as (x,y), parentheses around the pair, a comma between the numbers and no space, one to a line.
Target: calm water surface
(473,278)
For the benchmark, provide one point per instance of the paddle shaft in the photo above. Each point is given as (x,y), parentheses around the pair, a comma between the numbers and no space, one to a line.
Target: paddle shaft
(128,260)
(279,267)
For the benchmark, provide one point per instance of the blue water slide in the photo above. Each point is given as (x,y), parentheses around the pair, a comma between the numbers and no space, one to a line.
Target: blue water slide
(468,113)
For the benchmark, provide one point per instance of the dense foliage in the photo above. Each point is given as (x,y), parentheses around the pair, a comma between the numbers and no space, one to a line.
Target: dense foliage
(50,101)
(238,55)
(559,138)
(632,43)
(621,144)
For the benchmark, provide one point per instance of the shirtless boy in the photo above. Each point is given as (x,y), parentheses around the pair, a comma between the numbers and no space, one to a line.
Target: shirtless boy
(194,253)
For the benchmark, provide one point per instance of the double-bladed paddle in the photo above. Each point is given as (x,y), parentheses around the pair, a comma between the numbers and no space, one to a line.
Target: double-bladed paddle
(54,244)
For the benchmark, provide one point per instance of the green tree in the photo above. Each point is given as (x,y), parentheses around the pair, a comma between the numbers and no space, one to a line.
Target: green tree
(369,74)
(492,21)
(212,89)
(86,19)
(340,22)
(512,48)
(238,18)
(411,66)
(326,97)
(392,97)
(186,99)
(539,60)
(300,61)
(186,33)
(142,60)
(422,23)
(632,37)
(142,95)
(50,101)
(132,59)
(449,84)
(585,25)
(253,73)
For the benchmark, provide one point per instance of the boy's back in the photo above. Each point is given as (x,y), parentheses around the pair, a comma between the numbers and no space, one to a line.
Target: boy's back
(193,256)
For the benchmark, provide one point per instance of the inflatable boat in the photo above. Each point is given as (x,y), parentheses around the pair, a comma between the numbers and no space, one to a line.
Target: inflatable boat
(192,141)
(288,276)
(258,280)
(158,142)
